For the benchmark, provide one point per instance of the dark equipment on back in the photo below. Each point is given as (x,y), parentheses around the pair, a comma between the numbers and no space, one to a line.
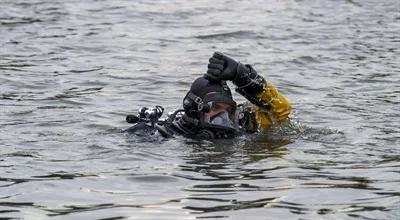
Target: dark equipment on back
(145,120)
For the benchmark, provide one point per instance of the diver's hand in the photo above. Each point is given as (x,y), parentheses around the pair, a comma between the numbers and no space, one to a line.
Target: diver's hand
(221,67)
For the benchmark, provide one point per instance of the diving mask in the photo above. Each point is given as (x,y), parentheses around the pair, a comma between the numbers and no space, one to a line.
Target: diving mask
(221,114)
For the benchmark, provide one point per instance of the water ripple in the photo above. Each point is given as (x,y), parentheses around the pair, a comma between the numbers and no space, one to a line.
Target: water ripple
(71,70)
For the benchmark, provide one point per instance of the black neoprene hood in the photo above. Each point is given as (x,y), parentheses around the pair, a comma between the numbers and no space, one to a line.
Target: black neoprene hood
(211,92)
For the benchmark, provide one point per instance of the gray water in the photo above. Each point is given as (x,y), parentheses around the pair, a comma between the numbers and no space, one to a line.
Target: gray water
(71,70)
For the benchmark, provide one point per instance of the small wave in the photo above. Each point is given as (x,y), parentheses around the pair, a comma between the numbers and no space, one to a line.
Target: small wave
(16,21)
(75,92)
(16,204)
(354,3)
(21,154)
(9,96)
(64,175)
(234,205)
(234,34)
(86,70)
(289,132)
(154,179)
(305,60)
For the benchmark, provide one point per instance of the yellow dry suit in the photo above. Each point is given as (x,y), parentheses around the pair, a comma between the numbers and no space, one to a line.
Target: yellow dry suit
(270,108)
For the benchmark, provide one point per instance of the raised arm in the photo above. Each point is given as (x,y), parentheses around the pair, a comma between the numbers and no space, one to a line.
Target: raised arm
(271,105)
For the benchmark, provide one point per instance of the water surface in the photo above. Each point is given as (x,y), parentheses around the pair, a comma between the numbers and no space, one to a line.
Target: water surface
(71,70)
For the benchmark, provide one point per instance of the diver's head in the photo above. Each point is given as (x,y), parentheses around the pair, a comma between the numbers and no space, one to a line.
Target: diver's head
(211,104)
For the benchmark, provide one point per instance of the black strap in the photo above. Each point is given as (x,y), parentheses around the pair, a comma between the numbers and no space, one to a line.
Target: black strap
(197,100)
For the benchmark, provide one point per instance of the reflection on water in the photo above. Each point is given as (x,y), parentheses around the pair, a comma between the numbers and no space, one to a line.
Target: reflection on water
(71,70)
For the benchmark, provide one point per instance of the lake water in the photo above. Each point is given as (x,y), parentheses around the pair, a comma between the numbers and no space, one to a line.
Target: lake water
(71,70)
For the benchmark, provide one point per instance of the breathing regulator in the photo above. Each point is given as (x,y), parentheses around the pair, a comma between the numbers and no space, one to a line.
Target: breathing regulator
(146,115)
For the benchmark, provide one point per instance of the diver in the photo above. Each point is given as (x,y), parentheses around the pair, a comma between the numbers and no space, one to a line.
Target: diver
(209,111)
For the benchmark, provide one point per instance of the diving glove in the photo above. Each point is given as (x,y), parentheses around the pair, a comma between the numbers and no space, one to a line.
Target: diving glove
(222,67)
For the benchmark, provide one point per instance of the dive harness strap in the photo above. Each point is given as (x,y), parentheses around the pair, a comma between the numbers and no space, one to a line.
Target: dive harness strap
(197,100)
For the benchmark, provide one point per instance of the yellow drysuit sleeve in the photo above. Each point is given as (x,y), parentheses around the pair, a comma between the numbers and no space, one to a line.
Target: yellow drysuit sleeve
(278,108)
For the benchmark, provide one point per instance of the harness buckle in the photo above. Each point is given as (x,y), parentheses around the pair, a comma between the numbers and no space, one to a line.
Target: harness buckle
(198,100)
